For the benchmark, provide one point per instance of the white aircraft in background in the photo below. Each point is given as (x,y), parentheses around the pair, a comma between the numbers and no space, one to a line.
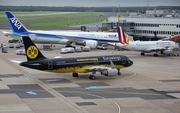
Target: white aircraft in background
(90,39)
(164,47)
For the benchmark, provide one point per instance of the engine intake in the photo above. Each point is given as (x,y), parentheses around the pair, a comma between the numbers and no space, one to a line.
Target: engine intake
(168,52)
(91,43)
(110,72)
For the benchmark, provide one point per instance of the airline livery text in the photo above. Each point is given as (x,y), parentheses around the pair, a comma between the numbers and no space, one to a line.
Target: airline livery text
(16,23)
(163,43)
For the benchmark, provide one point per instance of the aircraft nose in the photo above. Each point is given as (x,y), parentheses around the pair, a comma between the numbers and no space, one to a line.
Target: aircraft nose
(130,63)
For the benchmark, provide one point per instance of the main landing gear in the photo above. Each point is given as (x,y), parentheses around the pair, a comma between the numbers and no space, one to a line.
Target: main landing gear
(142,53)
(75,74)
(119,73)
(155,55)
(175,54)
(92,77)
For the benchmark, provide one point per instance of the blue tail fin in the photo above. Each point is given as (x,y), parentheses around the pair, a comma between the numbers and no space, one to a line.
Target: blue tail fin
(15,24)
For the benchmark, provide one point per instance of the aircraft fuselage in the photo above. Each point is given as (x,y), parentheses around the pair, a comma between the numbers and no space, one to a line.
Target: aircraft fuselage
(145,45)
(77,64)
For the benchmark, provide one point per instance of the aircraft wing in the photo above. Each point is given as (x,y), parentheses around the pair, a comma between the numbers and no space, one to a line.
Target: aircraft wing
(93,68)
(72,38)
(16,61)
(157,48)
(110,43)
(97,68)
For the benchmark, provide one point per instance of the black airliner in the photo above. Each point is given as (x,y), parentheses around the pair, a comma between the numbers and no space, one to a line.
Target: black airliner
(108,65)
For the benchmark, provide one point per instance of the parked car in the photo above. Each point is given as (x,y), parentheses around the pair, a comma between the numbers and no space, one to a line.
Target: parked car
(11,45)
(103,46)
(20,52)
(63,51)
(86,49)
(13,41)
(70,49)
(78,49)
(21,44)
(18,45)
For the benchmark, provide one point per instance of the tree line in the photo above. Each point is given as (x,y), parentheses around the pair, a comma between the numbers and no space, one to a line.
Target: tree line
(85,9)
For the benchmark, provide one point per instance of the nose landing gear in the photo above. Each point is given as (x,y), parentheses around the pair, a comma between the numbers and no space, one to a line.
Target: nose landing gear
(92,77)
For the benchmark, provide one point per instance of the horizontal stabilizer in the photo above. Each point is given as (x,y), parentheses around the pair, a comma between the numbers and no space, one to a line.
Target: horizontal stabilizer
(16,61)
(32,36)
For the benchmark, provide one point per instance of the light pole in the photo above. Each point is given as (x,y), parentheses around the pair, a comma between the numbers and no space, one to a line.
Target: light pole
(118,13)
(114,15)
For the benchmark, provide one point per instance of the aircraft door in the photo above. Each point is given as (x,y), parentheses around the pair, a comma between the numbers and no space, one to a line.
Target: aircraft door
(50,64)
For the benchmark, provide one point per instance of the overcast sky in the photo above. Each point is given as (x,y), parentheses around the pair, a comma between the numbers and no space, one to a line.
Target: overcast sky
(90,3)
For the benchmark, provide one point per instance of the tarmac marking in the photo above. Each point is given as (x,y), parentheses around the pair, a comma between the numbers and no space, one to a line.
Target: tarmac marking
(36,91)
(155,71)
(118,106)
(31,92)
(152,94)
(130,76)
(99,91)
(44,86)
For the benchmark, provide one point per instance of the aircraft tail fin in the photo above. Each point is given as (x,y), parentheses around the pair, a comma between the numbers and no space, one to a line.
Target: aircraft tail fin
(175,38)
(123,38)
(15,24)
(32,52)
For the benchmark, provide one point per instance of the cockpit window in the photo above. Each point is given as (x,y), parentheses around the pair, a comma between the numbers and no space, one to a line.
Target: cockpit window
(127,58)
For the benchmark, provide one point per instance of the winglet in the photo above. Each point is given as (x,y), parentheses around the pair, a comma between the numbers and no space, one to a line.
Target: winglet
(123,38)
(15,24)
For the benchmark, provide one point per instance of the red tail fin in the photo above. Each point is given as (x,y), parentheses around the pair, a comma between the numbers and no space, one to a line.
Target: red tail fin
(175,38)
(122,37)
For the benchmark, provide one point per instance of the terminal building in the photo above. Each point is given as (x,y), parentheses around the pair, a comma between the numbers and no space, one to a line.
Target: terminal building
(155,25)
(145,28)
